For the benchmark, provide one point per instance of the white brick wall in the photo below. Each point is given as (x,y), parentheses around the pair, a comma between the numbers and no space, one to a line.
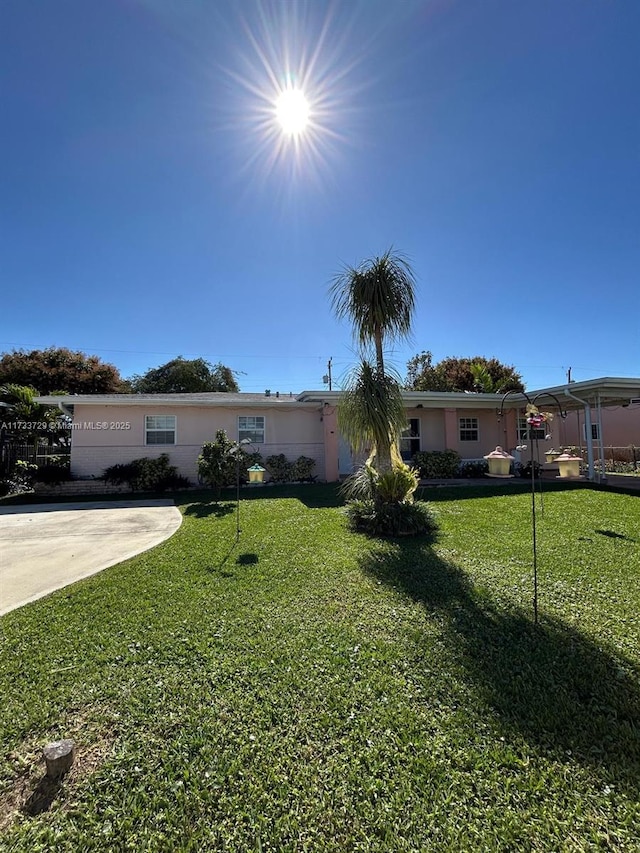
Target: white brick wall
(92,461)
(79,487)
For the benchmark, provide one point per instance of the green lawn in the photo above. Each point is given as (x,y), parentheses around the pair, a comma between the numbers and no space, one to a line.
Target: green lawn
(309,689)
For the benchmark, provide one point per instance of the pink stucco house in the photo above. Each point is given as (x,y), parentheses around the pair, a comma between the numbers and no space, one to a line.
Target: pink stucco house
(116,428)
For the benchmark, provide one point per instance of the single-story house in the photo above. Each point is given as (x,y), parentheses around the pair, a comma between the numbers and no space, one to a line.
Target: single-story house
(115,428)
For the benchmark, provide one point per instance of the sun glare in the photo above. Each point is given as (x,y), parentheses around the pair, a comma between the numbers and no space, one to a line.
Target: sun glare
(292,111)
(293,84)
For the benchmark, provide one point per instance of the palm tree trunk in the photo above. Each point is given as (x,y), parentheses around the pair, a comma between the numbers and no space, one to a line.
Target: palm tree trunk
(383,452)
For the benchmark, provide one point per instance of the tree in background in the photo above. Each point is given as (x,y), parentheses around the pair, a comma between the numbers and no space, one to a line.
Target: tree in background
(379,298)
(476,374)
(60,369)
(185,376)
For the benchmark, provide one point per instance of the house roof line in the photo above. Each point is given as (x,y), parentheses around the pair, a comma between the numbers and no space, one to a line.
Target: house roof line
(608,391)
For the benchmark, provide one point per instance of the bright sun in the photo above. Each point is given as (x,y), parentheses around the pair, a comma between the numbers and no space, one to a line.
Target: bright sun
(292,111)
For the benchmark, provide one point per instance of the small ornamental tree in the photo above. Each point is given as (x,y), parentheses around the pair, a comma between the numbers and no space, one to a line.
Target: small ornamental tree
(218,462)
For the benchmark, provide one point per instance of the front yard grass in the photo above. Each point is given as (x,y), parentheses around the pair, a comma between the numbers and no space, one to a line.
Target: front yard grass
(310,689)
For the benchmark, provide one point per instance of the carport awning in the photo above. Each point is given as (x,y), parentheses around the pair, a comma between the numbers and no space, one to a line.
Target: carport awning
(605,392)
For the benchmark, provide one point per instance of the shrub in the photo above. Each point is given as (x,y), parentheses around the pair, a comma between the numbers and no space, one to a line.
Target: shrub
(56,470)
(473,468)
(437,464)
(147,475)
(393,486)
(20,481)
(525,470)
(123,473)
(397,485)
(218,463)
(382,504)
(302,469)
(390,519)
(280,469)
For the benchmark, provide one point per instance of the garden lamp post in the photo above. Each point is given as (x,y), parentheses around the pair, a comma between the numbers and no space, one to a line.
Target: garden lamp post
(237,452)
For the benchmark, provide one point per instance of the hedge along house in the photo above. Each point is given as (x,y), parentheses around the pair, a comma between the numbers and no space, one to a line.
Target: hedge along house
(117,428)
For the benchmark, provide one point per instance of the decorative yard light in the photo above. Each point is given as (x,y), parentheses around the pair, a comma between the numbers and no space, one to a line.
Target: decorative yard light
(256,474)
(237,452)
(569,466)
(536,420)
(499,462)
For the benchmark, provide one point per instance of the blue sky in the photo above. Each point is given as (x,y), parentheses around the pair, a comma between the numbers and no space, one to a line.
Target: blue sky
(150,206)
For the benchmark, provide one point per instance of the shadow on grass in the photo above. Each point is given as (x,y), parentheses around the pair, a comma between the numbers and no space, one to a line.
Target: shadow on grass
(314,496)
(42,797)
(611,534)
(488,489)
(204,509)
(552,684)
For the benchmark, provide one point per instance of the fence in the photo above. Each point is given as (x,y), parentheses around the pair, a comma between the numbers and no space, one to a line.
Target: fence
(37,454)
(617,460)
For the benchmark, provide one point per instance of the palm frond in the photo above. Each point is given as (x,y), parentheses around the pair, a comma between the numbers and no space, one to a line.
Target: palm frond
(378,296)
(371,410)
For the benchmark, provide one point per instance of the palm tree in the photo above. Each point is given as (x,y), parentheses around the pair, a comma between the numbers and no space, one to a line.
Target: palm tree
(379,298)
(371,413)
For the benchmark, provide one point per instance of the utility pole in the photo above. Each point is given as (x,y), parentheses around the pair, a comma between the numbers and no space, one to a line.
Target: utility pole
(327,377)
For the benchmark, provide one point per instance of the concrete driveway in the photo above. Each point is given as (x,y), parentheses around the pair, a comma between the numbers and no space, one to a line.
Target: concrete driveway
(44,547)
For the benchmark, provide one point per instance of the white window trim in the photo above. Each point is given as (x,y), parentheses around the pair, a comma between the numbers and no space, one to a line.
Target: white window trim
(462,429)
(147,431)
(255,417)
(524,428)
(407,438)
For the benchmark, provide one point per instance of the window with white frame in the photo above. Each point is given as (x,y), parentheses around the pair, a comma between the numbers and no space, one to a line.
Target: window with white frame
(410,439)
(525,432)
(251,427)
(469,429)
(160,429)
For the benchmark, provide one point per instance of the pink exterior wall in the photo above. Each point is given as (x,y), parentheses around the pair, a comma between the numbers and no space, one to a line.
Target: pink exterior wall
(292,432)
(440,430)
(620,426)
(331,443)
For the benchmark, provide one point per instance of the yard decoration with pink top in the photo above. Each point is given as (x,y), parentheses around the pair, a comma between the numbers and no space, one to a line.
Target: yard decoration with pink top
(499,462)
(569,466)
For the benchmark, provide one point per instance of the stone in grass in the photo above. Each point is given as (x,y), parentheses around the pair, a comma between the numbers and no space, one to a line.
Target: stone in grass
(59,757)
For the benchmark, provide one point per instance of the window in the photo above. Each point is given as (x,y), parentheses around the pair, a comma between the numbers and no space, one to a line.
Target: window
(160,429)
(468,429)
(252,428)
(595,431)
(410,439)
(525,433)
